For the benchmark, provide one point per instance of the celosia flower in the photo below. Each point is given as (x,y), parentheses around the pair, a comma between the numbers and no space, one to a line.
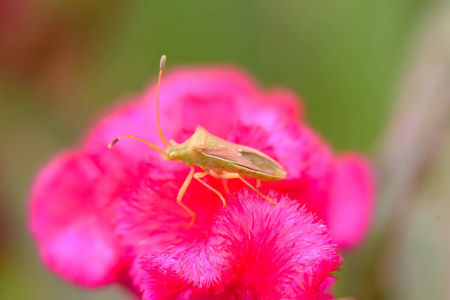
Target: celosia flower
(103,216)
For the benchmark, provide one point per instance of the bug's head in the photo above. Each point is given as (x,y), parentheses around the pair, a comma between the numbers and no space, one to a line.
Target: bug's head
(172,152)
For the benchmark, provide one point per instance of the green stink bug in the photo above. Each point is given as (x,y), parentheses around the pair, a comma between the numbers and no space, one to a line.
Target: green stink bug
(217,157)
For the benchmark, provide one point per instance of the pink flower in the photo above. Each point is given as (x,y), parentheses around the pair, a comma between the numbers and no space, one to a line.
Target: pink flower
(102,216)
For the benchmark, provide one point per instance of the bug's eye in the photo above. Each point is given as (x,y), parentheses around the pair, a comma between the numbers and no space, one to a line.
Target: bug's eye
(172,155)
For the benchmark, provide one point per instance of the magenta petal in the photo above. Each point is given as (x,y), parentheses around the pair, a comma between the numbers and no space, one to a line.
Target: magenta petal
(73,234)
(194,96)
(133,118)
(84,253)
(351,200)
(218,97)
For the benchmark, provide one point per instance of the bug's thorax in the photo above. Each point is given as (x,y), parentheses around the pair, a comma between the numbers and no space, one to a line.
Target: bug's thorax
(187,152)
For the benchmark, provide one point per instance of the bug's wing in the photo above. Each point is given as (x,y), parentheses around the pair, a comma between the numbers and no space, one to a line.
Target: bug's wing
(233,156)
(246,157)
(262,162)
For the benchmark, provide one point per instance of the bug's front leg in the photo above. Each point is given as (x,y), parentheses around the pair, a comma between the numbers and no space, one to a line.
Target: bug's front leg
(181,193)
(203,174)
(236,175)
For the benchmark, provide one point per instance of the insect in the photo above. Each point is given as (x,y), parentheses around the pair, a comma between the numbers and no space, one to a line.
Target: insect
(217,157)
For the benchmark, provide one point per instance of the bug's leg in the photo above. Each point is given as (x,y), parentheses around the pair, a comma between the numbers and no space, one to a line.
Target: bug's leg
(258,184)
(203,174)
(183,189)
(236,175)
(225,186)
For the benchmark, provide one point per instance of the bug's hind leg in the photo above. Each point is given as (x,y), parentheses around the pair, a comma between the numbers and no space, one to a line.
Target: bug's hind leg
(181,193)
(203,174)
(225,185)
(236,175)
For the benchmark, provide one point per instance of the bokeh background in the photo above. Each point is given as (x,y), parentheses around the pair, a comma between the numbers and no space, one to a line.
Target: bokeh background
(374,77)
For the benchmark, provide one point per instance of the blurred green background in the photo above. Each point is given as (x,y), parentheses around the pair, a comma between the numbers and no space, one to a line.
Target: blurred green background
(63,62)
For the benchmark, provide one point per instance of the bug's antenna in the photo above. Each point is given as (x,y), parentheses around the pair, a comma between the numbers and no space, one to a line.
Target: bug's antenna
(110,145)
(162,63)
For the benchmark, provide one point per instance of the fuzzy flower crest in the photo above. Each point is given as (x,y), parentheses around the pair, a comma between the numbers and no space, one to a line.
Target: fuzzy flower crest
(252,251)
(110,215)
